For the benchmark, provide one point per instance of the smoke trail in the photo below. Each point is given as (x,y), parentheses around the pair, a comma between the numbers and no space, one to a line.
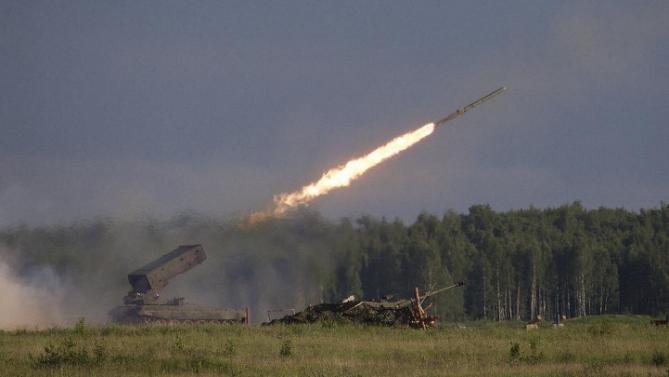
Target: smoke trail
(342,176)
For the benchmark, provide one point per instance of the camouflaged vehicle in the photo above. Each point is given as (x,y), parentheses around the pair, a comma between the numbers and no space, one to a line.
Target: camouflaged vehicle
(386,311)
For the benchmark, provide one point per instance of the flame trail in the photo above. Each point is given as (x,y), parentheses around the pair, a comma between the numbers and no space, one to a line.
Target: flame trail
(342,176)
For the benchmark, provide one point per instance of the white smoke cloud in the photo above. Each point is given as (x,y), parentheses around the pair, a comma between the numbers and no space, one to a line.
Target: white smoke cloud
(35,300)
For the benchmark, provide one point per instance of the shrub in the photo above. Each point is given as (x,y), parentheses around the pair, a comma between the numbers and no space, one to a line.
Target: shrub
(198,362)
(66,353)
(534,356)
(229,348)
(178,343)
(80,326)
(514,353)
(286,349)
(100,353)
(659,358)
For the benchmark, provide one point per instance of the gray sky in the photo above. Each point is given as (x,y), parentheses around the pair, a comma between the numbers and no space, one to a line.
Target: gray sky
(130,107)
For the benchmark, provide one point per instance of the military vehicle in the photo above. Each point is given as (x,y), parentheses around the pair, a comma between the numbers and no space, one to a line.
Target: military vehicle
(143,304)
(387,311)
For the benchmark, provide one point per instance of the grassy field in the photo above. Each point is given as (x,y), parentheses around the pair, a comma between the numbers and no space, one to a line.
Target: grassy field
(615,346)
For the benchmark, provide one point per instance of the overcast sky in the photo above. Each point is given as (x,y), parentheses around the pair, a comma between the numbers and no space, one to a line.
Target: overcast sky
(124,108)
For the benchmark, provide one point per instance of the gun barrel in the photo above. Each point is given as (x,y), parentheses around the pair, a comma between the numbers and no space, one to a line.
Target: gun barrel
(436,292)
(472,105)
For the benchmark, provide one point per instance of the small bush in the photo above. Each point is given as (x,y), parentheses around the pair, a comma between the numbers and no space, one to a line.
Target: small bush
(534,357)
(286,349)
(197,362)
(66,353)
(80,326)
(659,358)
(514,353)
(100,353)
(229,348)
(178,344)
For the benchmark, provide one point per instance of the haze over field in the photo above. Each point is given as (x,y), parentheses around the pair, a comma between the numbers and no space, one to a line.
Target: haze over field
(131,108)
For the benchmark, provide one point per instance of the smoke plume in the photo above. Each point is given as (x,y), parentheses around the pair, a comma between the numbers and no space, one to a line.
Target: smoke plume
(54,275)
(31,301)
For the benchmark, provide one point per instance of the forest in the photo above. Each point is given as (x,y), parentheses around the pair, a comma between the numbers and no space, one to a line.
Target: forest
(563,261)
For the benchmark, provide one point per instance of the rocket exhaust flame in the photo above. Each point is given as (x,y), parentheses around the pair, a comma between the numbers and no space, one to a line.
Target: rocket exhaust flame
(343,175)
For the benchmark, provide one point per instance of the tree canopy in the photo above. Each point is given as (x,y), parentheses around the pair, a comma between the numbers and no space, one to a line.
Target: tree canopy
(517,264)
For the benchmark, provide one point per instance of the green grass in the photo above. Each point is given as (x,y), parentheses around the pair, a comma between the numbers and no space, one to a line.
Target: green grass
(596,346)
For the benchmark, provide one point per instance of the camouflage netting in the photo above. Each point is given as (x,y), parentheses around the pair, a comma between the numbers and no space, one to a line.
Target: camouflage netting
(352,312)
(388,312)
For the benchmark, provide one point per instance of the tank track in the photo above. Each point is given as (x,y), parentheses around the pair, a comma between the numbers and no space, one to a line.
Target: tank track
(174,322)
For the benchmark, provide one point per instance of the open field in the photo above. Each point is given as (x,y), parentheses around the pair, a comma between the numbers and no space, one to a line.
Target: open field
(617,346)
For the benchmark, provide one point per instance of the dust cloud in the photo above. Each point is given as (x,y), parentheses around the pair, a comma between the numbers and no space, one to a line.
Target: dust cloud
(54,275)
(33,301)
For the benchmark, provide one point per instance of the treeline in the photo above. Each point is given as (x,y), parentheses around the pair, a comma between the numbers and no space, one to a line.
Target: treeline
(518,264)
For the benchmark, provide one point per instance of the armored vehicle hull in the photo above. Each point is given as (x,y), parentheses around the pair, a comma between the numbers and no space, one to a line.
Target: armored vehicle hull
(143,303)
(175,314)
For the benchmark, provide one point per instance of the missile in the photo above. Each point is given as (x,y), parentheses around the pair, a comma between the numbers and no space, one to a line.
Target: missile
(472,105)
